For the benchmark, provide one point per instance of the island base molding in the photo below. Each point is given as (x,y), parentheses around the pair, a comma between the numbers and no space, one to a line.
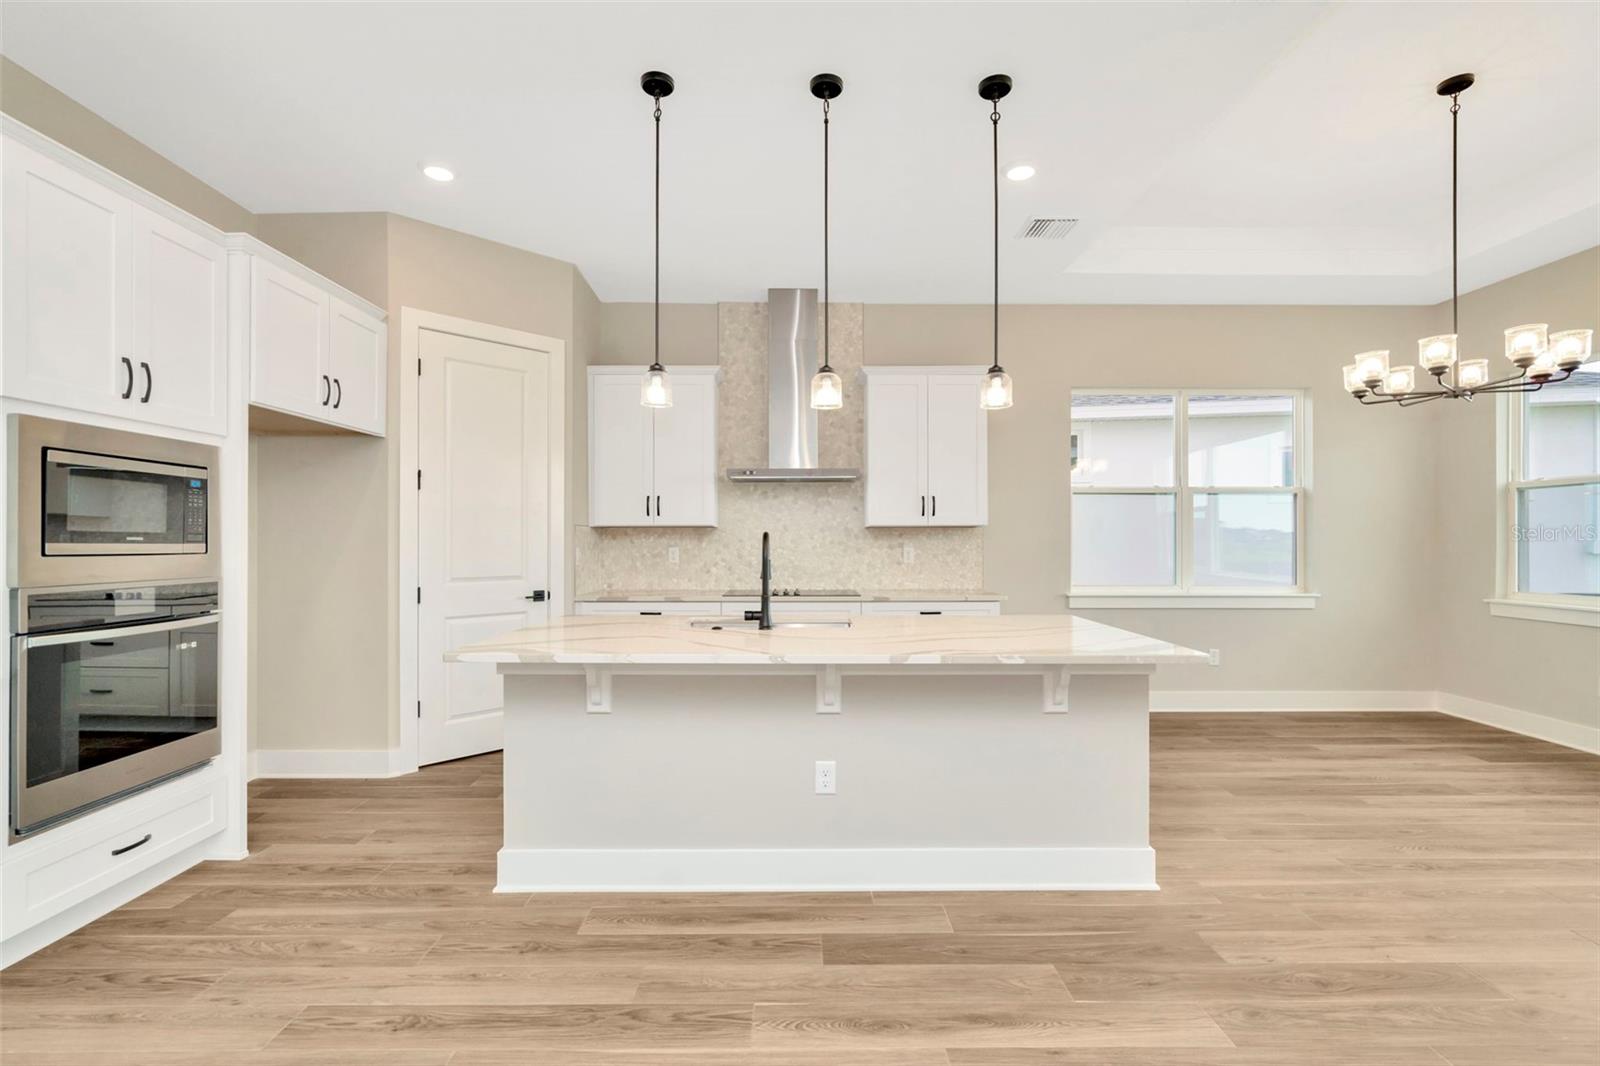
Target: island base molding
(826,869)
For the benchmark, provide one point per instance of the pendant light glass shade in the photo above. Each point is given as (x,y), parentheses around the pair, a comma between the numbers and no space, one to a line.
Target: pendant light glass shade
(1437,353)
(996,394)
(1572,347)
(656,391)
(1471,373)
(827,391)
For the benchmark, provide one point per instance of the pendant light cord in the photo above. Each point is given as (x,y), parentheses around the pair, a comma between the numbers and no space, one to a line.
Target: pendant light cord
(657,364)
(994,120)
(826,367)
(1455,252)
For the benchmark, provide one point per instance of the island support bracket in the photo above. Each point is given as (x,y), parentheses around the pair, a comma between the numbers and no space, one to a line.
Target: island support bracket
(597,690)
(1056,682)
(828,690)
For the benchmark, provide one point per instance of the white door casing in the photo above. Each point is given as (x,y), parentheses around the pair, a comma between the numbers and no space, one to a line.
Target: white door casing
(485,503)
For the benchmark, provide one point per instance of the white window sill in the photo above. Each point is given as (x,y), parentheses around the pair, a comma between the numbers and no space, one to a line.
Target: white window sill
(1571,614)
(1207,601)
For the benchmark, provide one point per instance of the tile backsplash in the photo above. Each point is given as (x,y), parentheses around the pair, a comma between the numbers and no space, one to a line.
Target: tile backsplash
(818,540)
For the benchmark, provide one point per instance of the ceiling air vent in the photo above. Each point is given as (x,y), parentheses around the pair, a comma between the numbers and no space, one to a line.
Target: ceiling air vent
(1046,229)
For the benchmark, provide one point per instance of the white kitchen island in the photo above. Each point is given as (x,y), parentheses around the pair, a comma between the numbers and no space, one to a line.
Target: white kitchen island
(654,754)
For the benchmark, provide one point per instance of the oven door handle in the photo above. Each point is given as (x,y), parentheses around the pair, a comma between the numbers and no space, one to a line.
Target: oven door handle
(83,636)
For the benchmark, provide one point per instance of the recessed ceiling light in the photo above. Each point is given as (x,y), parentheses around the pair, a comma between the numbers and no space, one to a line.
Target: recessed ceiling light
(438,173)
(1020,172)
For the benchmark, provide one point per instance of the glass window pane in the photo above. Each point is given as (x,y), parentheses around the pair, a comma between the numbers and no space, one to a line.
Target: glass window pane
(1561,427)
(1244,539)
(1245,441)
(1124,440)
(1123,539)
(1558,550)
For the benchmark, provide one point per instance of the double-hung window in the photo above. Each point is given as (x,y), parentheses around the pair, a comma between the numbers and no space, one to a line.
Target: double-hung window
(1551,506)
(1189,497)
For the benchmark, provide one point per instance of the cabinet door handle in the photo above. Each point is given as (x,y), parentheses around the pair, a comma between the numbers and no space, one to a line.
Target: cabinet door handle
(935,512)
(102,644)
(149,382)
(930,612)
(127,392)
(924,507)
(658,506)
(327,389)
(101,691)
(129,847)
(647,505)
(650,612)
(338,394)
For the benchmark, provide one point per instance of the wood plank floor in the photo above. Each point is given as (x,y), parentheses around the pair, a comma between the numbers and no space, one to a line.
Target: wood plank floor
(1339,890)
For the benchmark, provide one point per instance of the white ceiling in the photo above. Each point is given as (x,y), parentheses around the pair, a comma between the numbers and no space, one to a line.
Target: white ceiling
(1217,153)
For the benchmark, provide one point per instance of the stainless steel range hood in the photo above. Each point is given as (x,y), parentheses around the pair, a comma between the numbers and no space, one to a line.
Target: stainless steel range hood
(791,421)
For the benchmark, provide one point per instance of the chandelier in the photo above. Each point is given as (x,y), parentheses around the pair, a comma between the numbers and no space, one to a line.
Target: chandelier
(1538,356)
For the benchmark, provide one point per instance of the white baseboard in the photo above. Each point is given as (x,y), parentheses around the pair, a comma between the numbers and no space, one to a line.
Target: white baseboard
(277,762)
(1288,700)
(1529,724)
(824,869)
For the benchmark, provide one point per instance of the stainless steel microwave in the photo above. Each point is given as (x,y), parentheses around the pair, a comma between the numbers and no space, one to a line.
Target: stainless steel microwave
(98,505)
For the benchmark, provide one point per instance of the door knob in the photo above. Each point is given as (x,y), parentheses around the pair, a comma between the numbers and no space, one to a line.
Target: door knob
(537,596)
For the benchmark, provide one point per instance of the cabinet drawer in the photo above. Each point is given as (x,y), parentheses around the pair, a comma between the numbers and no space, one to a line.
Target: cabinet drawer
(124,654)
(969,608)
(663,607)
(69,864)
(101,690)
(782,606)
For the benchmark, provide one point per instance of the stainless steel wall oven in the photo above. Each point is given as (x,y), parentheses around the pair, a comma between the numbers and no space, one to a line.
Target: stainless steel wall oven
(115,611)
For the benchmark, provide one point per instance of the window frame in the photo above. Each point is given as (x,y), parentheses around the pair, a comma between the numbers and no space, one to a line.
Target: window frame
(1509,601)
(1184,593)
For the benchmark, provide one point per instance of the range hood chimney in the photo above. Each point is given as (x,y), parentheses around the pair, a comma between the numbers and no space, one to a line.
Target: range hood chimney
(791,421)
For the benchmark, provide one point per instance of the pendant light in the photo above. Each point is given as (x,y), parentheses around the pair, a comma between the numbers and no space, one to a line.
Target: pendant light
(656,390)
(1537,356)
(996,394)
(827,392)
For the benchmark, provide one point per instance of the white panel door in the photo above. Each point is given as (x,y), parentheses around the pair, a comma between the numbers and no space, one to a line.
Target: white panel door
(180,326)
(68,285)
(357,349)
(621,482)
(958,452)
(685,454)
(483,527)
(897,431)
(288,342)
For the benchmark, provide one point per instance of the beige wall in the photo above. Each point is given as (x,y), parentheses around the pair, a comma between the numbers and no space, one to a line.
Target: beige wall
(31,101)
(1543,667)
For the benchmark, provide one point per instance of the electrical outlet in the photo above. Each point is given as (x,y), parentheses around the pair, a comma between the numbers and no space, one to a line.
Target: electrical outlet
(827,777)
(908,553)
(1216,656)
(672,555)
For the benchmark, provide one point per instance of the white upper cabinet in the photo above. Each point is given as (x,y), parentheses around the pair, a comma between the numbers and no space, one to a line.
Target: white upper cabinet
(111,306)
(648,466)
(927,447)
(315,351)
(358,344)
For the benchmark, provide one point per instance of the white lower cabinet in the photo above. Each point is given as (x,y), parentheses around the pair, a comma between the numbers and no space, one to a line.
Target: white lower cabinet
(706,608)
(64,866)
(971,608)
(111,305)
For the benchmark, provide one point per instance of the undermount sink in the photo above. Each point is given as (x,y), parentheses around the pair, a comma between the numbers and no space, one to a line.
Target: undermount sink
(752,624)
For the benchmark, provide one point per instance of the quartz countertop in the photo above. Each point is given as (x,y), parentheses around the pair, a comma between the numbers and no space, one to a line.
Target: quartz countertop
(876,596)
(1003,640)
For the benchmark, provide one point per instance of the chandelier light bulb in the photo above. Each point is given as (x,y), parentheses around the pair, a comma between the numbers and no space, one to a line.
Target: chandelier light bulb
(1400,380)
(1572,347)
(1472,373)
(1437,353)
(1525,343)
(1373,367)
